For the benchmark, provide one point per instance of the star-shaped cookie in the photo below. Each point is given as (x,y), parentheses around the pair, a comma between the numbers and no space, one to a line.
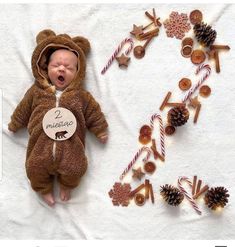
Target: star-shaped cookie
(123,60)
(137,173)
(194,102)
(137,30)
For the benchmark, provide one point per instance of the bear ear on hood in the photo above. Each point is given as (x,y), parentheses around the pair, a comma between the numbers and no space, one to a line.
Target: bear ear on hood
(44,34)
(83,43)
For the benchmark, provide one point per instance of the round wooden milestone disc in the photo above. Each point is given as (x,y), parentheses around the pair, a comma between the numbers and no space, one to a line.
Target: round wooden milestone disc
(146,130)
(59,124)
(139,51)
(187,41)
(144,139)
(149,167)
(198,56)
(195,16)
(169,130)
(205,91)
(186,51)
(139,199)
(185,84)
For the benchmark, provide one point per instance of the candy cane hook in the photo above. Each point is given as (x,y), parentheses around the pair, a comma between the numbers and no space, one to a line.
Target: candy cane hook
(162,133)
(204,77)
(125,41)
(193,203)
(137,155)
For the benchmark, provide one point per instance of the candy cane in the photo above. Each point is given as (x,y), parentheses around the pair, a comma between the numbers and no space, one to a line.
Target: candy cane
(162,133)
(137,155)
(181,179)
(125,41)
(205,76)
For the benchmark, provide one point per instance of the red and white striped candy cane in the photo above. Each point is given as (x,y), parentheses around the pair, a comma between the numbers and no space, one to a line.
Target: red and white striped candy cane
(193,203)
(137,155)
(205,76)
(162,133)
(125,41)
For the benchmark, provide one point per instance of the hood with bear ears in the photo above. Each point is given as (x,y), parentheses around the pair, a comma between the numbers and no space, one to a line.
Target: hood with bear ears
(47,42)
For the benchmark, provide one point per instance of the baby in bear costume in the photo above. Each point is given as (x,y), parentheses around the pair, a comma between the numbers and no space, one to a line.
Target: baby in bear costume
(58,64)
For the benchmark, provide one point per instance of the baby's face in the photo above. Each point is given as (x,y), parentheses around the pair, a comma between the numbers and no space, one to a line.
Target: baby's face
(62,68)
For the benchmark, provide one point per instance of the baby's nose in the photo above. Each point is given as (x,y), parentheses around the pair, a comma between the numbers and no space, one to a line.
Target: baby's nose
(61,68)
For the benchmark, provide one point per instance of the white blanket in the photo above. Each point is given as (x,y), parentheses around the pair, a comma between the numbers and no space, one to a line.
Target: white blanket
(128,98)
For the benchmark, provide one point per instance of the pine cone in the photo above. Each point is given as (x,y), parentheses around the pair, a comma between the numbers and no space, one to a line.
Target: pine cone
(172,195)
(216,197)
(178,116)
(205,35)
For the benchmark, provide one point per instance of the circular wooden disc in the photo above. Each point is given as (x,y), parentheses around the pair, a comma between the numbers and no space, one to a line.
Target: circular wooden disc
(186,51)
(59,124)
(187,41)
(139,199)
(146,130)
(195,16)
(144,139)
(139,51)
(185,84)
(198,56)
(205,91)
(169,130)
(149,167)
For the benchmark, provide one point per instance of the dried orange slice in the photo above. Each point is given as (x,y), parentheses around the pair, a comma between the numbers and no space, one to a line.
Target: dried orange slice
(146,130)
(144,139)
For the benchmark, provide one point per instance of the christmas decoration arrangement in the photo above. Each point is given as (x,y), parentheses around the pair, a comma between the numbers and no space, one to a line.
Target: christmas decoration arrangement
(205,37)
(144,163)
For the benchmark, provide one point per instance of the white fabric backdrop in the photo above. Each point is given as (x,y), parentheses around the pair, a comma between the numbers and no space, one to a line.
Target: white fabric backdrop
(128,98)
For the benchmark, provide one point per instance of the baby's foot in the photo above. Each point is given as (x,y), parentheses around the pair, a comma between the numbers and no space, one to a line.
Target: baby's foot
(65,194)
(49,199)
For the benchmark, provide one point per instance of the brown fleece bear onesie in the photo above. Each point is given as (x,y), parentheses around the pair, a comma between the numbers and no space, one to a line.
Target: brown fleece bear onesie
(69,161)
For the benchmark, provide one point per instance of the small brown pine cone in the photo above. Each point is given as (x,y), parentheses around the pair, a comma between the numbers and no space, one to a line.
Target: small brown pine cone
(172,195)
(216,197)
(205,35)
(178,116)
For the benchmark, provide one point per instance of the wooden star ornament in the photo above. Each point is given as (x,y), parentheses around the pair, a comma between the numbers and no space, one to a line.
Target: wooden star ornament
(137,173)
(123,60)
(194,102)
(137,30)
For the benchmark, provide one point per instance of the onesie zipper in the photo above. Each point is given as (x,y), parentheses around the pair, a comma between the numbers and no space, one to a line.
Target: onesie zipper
(57,95)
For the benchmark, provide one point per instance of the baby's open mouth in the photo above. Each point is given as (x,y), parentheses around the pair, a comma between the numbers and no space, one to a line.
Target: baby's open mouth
(61,78)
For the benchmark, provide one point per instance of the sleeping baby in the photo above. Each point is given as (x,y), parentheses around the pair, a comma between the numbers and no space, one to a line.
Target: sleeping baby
(56,145)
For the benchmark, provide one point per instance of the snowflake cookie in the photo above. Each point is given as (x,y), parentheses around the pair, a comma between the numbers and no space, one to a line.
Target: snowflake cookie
(120,194)
(177,25)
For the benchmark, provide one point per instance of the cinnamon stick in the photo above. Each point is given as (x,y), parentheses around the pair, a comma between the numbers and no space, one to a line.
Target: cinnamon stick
(152,18)
(147,36)
(204,189)
(220,47)
(147,189)
(165,101)
(175,104)
(194,184)
(151,192)
(198,186)
(132,193)
(197,113)
(217,64)
(156,154)
(149,33)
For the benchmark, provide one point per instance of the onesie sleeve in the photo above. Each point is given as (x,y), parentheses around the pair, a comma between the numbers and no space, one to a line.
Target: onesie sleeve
(94,117)
(21,115)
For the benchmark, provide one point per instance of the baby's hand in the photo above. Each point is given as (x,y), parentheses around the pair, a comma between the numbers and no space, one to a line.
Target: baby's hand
(103,138)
